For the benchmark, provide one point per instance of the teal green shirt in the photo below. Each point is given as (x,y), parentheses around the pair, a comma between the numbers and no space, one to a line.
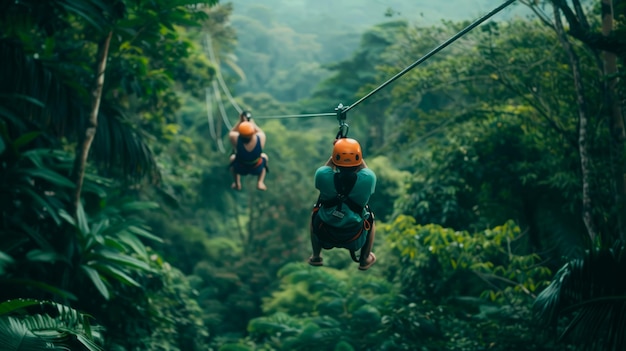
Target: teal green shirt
(360,194)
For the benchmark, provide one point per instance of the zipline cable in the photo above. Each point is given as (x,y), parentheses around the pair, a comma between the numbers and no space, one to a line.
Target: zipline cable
(209,108)
(220,78)
(297,116)
(344,110)
(209,111)
(220,104)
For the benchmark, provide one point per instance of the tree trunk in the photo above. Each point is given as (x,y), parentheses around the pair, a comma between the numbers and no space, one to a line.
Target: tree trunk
(616,124)
(82,149)
(585,162)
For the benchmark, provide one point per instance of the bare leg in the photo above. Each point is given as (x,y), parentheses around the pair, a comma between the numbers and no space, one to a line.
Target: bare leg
(261,182)
(315,245)
(316,258)
(236,177)
(237,183)
(365,256)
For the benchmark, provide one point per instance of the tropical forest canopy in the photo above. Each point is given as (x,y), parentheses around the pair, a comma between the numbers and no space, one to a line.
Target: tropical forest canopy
(500,163)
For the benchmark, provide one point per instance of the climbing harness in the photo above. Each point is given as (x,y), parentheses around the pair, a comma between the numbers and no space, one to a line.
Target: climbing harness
(328,233)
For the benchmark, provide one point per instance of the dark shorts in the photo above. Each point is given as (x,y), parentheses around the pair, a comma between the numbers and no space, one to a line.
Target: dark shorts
(244,169)
(353,245)
(347,238)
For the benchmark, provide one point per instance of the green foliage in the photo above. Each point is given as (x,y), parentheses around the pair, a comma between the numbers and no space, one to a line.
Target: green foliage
(462,290)
(356,76)
(151,53)
(99,254)
(501,144)
(24,327)
(109,245)
(488,145)
(16,336)
(481,263)
(268,51)
(585,303)
(27,176)
(162,315)
(389,184)
(323,308)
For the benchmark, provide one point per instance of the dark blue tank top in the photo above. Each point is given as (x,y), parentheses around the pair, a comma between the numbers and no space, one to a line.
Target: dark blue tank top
(248,157)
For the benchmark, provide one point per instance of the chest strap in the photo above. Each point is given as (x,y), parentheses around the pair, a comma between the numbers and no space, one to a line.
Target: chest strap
(343,187)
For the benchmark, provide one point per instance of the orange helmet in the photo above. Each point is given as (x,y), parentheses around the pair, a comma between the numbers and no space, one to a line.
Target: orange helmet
(347,153)
(246,129)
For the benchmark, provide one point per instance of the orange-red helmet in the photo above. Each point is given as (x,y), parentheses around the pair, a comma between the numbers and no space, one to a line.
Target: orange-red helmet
(347,153)
(246,129)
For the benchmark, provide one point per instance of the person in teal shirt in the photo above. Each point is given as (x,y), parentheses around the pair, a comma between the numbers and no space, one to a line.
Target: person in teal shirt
(342,217)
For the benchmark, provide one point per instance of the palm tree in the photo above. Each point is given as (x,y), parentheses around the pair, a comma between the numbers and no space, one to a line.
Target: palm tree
(51,71)
(59,238)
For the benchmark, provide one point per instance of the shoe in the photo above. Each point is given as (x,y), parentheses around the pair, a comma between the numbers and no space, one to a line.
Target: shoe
(371,259)
(316,261)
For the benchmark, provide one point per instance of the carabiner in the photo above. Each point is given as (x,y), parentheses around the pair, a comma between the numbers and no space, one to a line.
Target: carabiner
(341,117)
(343,130)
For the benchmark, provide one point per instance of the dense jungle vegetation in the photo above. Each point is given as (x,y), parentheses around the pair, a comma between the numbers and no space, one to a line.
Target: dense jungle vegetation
(500,162)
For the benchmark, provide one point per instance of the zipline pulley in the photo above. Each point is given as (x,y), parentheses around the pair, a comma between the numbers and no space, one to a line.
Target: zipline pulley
(341,118)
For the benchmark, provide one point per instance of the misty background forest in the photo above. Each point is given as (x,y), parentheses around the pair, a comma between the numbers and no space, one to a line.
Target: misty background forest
(500,163)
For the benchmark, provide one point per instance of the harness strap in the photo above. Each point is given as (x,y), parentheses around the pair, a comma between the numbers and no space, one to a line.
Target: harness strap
(254,162)
(356,208)
(367,225)
(343,188)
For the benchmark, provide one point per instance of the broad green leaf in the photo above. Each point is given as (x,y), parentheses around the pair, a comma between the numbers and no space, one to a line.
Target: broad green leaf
(67,217)
(45,256)
(134,243)
(83,223)
(116,274)
(25,139)
(91,187)
(5,258)
(43,203)
(46,174)
(41,286)
(88,343)
(124,260)
(114,244)
(144,233)
(16,336)
(91,11)
(9,306)
(96,280)
(139,206)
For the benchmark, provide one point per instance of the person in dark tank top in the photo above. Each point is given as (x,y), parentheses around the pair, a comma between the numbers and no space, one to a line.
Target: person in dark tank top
(248,158)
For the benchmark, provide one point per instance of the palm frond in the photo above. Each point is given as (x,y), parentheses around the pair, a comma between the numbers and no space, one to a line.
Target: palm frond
(590,295)
(118,145)
(38,100)
(44,331)
(5,260)
(48,104)
(15,336)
